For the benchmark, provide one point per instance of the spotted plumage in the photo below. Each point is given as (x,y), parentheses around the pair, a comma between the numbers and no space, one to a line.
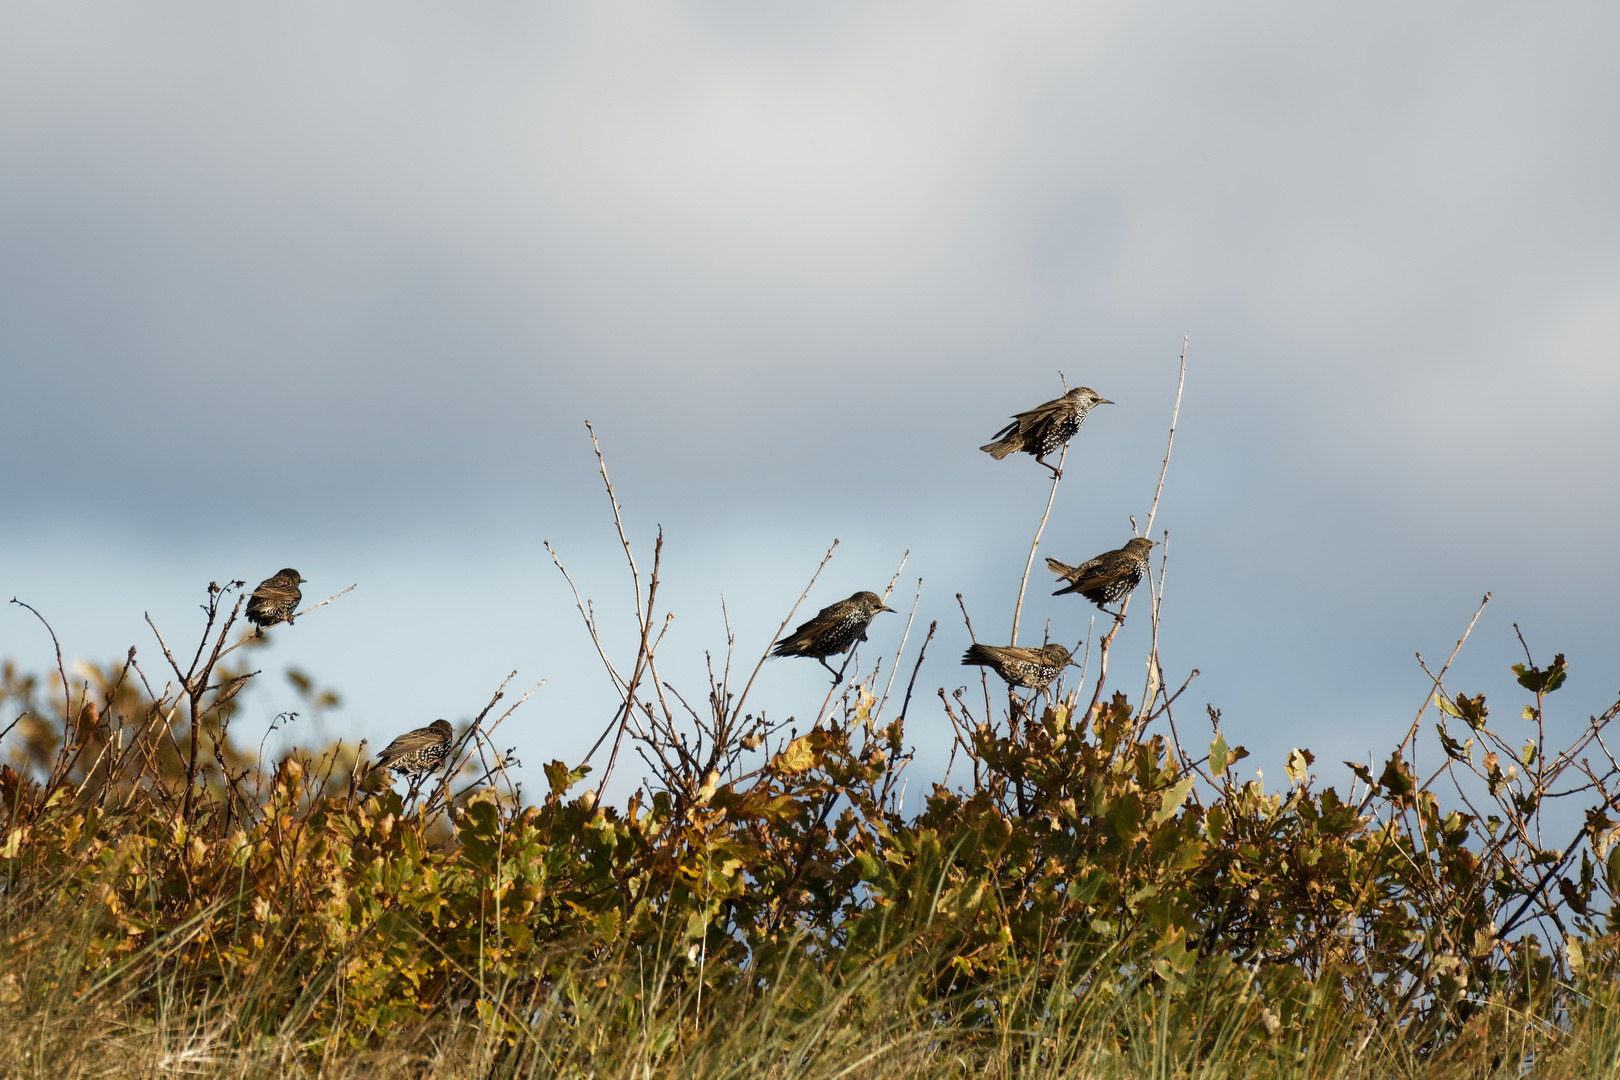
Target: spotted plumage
(418,752)
(1032,668)
(275,600)
(1110,577)
(1046,428)
(835,629)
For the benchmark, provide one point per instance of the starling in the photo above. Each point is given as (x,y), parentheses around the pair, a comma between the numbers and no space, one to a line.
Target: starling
(835,629)
(1110,577)
(275,600)
(1033,668)
(1047,428)
(416,753)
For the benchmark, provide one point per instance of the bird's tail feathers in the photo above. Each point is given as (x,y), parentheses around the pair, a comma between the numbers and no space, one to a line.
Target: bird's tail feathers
(978,654)
(1007,442)
(1081,584)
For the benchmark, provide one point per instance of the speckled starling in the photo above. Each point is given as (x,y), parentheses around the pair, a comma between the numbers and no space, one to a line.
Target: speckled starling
(1046,428)
(835,629)
(1033,668)
(418,752)
(1110,577)
(275,600)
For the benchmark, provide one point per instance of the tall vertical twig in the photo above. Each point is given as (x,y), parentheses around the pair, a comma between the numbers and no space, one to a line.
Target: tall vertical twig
(1018,609)
(1175,415)
(1119,620)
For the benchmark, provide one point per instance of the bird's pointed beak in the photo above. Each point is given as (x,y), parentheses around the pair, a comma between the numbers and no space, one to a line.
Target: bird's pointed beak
(1105,401)
(885,607)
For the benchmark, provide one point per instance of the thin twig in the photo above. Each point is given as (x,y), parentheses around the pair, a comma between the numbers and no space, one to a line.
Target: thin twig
(895,667)
(1156,597)
(906,704)
(61,669)
(254,637)
(736,710)
(1023,583)
(1175,414)
(1429,695)
(643,654)
(1119,619)
(618,519)
(590,622)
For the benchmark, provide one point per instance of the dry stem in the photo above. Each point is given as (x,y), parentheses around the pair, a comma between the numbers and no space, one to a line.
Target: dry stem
(1023,583)
(1119,620)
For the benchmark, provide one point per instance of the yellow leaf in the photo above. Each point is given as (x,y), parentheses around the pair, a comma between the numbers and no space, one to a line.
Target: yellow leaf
(797,757)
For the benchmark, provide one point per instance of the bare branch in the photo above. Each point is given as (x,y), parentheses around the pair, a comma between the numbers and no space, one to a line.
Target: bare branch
(1023,583)
(736,710)
(895,667)
(1175,414)
(254,637)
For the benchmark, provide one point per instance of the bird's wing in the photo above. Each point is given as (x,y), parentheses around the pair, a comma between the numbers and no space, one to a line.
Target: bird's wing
(1031,417)
(403,744)
(1085,576)
(1105,568)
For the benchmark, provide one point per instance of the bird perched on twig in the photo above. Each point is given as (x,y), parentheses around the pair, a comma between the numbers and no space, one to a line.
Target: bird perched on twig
(416,753)
(835,629)
(1046,428)
(1110,577)
(275,600)
(1033,668)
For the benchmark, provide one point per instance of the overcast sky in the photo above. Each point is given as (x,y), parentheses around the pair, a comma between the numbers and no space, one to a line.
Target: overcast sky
(335,287)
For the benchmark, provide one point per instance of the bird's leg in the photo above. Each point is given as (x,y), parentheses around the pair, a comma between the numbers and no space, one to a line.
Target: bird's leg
(822,660)
(1057,473)
(1119,616)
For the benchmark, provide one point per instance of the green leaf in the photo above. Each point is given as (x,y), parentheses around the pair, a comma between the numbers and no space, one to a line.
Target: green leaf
(1363,773)
(1298,768)
(1173,800)
(1218,755)
(1084,890)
